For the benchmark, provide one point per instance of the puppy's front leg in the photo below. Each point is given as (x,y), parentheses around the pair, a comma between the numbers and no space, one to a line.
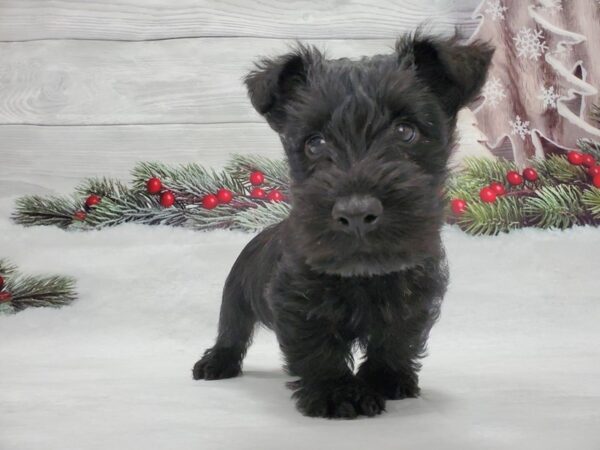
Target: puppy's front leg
(317,352)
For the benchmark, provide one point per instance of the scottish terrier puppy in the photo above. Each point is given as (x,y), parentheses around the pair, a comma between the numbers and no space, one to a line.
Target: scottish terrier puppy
(359,261)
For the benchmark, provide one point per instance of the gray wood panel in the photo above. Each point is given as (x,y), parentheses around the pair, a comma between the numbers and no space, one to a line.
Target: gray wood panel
(47,159)
(155,19)
(107,82)
(114,82)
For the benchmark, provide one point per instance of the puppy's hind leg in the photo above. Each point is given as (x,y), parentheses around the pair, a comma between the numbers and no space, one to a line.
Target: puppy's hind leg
(236,326)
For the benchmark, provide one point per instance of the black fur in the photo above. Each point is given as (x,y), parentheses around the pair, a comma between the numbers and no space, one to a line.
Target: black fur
(320,287)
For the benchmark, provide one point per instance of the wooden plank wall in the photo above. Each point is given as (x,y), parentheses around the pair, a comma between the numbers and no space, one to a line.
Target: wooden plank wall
(89,87)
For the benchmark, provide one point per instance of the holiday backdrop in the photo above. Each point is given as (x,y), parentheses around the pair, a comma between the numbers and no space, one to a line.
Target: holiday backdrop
(120,111)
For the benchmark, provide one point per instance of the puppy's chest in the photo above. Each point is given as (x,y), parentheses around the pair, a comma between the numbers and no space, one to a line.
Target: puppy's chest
(358,306)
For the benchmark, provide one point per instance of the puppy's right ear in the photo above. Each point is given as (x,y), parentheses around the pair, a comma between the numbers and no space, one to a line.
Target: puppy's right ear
(274,82)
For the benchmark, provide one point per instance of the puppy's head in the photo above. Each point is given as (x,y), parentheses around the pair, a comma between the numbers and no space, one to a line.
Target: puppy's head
(368,143)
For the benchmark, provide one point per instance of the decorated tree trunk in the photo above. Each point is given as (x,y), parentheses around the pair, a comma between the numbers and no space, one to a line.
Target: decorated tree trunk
(544,75)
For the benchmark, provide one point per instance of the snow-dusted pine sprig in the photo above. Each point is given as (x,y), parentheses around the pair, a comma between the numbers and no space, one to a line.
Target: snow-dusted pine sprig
(102,186)
(256,219)
(590,146)
(189,179)
(136,207)
(36,210)
(31,291)
(276,171)
(18,291)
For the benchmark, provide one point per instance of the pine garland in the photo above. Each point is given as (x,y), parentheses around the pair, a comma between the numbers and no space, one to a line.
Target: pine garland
(563,192)
(560,194)
(189,183)
(18,291)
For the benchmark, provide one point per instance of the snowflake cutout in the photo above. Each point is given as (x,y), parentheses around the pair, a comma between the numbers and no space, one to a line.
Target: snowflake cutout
(519,127)
(551,6)
(493,92)
(530,43)
(496,10)
(549,97)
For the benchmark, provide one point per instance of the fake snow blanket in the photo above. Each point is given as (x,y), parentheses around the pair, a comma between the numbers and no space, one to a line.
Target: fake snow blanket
(514,360)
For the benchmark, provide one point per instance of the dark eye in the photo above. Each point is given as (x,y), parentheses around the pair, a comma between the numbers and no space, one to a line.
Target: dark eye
(407,132)
(315,146)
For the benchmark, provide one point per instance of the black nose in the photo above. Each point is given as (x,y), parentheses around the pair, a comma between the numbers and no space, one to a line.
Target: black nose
(357,214)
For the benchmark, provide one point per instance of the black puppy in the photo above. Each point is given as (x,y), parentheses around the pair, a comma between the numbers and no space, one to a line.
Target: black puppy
(359,260)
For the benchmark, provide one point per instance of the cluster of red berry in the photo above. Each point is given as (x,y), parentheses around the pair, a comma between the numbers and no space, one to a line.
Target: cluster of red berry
(490,193)
(257,179)
(5,296)
(90,202)
(222,196)
(585,159)
(154,187)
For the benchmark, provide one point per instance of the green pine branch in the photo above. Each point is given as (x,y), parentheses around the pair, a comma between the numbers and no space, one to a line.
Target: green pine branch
(276,171)
(104,187)
(589,146)
(591,200)
(256,219)
(483,171)
(34,291)
(136,207)
(30,291)
(557,169)
(492,218)
(189,179)
(555,207)
(36,210)
(6,267)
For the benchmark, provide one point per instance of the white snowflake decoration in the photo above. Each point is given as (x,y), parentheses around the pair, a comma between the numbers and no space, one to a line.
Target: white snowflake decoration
(530,43)
(519,127)
(495,10)
(551,6)
(549,97)
(493,92)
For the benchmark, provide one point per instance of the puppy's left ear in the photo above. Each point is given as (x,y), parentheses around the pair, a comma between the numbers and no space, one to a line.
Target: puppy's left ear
(275,82)
(456,73)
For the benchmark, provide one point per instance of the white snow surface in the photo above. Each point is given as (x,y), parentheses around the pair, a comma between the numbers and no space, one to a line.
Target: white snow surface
(514,361)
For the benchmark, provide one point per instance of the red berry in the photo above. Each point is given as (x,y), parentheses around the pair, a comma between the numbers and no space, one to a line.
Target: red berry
(210,201)
(498,188)
(224,195)
(153,185)
(596,181)
(593,171)
(275,195)
(487,195)
(167,199)
(257,178)
(514,178)
(588,160)
(5,297)
(93,200)
(79,215)
(530,174)
(575,158)
(1,282)
(458,206)
(258,193)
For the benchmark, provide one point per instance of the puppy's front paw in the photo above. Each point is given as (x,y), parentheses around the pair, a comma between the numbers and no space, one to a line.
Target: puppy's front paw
(342,399)
(392,385)
(218,363)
